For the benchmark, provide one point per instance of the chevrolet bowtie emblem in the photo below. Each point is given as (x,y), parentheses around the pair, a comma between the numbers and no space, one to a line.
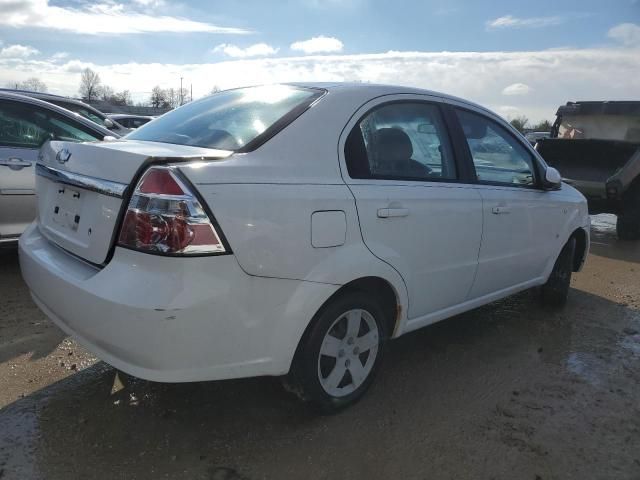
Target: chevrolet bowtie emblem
(63,155)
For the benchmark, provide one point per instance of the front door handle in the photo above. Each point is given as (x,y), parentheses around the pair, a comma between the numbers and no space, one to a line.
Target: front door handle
(500,210)
(15,163)
(392,212)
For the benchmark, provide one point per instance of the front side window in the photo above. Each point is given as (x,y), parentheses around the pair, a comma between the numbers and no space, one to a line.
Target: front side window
(228,120)
(401,141)
(80,110)
(497,156)
(28,126)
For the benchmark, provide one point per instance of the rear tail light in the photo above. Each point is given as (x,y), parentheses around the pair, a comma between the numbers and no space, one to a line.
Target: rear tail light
(164,216)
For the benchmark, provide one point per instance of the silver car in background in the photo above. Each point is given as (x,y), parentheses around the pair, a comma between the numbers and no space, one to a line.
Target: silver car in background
(25,125)
(76,106)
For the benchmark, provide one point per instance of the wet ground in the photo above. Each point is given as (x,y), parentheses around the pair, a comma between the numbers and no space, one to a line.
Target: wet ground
(511,390)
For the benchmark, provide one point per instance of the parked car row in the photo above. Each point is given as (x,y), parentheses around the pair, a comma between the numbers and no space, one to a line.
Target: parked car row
(27,120)
(76,106)
(26,123)
(291,230)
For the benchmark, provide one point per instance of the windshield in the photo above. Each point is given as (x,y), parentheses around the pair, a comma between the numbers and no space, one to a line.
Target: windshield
(229,120)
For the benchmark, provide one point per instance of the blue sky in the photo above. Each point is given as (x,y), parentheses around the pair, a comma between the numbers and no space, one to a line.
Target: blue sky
(140,43)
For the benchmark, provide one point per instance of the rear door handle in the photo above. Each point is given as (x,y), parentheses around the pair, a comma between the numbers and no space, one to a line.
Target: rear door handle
(15,163)
(500,210)
(392,212)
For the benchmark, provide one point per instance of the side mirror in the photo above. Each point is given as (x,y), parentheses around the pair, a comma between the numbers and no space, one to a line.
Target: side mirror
(109,123)
(552,179)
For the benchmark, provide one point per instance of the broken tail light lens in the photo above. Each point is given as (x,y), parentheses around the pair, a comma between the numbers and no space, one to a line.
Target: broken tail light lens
(165,217)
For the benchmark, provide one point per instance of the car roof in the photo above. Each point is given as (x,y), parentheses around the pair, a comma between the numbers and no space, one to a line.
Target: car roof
(10,95)
(379,89)
(50,96)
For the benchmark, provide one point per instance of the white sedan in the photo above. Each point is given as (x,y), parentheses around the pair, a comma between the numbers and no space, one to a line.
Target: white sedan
(293,230)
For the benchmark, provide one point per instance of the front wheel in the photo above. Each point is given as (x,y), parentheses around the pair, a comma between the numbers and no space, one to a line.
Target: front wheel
(337,359)
(555,292)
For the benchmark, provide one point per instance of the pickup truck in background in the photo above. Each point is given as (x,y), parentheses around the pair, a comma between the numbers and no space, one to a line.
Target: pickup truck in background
(596,148)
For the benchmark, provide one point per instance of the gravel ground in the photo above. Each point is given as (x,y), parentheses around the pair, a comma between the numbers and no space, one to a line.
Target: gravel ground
(510,390)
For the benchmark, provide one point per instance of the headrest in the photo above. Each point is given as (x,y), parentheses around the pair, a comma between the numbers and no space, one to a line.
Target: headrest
(392,145)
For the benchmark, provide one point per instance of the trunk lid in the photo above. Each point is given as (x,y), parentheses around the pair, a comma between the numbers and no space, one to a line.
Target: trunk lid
(82,188)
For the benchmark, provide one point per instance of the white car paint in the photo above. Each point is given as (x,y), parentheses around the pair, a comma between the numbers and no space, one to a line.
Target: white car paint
(438,245)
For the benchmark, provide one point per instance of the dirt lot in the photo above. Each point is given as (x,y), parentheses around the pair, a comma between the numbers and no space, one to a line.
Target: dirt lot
(507,391)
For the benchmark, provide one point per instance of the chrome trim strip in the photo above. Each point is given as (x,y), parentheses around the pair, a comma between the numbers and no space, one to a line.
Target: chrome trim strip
(98,185)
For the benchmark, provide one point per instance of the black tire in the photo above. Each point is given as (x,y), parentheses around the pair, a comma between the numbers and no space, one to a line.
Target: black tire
(628,225)
(303,378)
(554,293)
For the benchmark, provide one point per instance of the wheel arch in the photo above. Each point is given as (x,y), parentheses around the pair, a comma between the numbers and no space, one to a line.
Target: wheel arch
(379,287)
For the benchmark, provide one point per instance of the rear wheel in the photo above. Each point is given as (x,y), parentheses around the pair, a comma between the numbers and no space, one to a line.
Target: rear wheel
(555,292)
(337,359)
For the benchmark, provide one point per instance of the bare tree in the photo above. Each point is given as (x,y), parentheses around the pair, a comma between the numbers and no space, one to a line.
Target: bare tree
(173,97)
(89,84)
(158,97)
(519,123)
(543,126)
(122,98)
(32,84)
(106,93)
(215,89)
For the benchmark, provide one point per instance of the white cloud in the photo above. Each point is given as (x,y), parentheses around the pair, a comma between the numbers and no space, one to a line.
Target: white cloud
(509,21)
(256,50)
(150,3)
(626,33)
(98,18)
(319,44)
(554,76)
(507,111)
(59,56)
(17,51)
(516,89)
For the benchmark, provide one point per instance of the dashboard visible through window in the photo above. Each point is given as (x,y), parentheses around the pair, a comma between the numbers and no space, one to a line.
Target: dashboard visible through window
(497,156)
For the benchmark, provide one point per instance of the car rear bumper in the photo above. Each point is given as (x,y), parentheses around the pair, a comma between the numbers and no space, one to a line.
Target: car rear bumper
(172,319)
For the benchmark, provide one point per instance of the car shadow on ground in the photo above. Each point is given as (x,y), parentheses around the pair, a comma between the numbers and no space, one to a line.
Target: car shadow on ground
(24,329)
(482,385)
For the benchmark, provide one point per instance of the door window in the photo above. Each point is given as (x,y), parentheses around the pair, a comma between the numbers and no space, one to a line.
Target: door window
(28,126)
(401,141)
(497,156)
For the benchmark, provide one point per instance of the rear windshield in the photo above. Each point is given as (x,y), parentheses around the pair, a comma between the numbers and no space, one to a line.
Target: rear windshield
(230,120)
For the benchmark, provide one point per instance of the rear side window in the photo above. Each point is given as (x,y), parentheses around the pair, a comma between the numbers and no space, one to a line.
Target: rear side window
(29,126)
(497,156)
(230,120)
(401,141)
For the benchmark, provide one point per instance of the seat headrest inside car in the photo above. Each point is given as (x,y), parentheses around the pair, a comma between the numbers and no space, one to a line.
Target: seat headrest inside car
(392,144)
